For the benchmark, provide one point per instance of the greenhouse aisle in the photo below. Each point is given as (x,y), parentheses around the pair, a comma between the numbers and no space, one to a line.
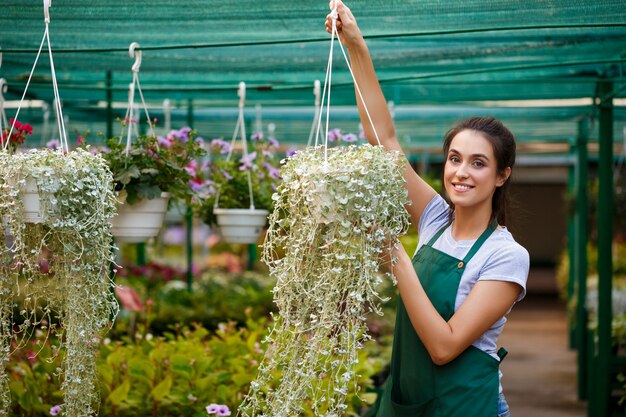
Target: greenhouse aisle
(540,371)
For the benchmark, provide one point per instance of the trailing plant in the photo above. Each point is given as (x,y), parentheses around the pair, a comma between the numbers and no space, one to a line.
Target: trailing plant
(155,164)
(228,171)
(73,237)
(336,213)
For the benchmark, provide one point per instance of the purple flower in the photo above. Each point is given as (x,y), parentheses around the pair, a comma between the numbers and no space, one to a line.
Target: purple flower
(53,144)
(350,137)
(165,141)
(55,411)
(334,135)
(362,134)
(273,142)
(223,410)
(212,408)
(272,171)
(292,151)
(200,141)
(226,175)
(223,146)
(196,184)
(192,167)
(257,136)
(246,161)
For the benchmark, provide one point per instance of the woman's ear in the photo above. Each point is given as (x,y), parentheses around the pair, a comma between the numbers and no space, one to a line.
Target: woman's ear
(502,178)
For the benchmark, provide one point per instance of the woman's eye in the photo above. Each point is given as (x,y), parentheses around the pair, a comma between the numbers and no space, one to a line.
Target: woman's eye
(454,159)
(479,164)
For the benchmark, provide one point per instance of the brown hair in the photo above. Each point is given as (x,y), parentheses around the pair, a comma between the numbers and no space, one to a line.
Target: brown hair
(503,144)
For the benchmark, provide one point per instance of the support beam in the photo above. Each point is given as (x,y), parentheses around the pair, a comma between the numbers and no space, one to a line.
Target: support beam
(580,254)
(605,239)
(109,85)
(571,243)
(189,218)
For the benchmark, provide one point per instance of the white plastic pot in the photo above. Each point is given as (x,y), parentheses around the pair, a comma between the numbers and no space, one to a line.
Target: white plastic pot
(241,225)
(141,221)
(30,199)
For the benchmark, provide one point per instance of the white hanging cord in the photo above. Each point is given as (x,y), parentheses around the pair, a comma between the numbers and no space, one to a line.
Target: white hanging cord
(319,120)
(240,128)
(133,52)
(317,92)
(356,85)
(60,122)
(3,116)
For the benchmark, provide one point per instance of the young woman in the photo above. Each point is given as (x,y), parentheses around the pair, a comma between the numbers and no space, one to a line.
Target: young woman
(468,270)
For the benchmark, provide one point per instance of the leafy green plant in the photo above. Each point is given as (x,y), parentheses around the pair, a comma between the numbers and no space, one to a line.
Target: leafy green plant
(73,237)
(228,172)
(155,164)
(182,373)
(336,213)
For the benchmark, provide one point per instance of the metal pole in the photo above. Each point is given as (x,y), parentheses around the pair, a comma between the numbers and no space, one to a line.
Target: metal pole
(189,217)
(571,246)
(580,254)
(109,84)
(605,239)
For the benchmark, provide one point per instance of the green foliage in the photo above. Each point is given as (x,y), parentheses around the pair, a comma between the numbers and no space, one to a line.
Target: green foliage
(178,374)
(215,297)
(154,165)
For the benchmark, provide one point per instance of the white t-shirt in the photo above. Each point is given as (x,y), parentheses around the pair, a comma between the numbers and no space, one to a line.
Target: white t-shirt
(500,258)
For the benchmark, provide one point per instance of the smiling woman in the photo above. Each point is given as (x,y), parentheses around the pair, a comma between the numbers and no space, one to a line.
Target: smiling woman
(468,270)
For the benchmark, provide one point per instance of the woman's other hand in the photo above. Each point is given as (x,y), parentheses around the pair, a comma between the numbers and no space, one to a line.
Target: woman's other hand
(347,28)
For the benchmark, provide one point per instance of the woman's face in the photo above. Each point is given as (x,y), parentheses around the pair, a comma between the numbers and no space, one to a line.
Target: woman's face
(470,173)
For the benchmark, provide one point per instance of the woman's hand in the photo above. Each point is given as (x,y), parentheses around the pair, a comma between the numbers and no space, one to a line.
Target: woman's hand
(347,28)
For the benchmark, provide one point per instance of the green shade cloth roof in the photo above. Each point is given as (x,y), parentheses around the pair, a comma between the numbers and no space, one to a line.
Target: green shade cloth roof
(427,53)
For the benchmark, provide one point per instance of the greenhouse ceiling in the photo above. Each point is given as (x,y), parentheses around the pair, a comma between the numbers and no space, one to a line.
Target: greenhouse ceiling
(473,56)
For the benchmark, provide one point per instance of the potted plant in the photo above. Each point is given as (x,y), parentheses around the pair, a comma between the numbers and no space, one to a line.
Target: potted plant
(336,211)
(147,174)
(69,232)
(231,176)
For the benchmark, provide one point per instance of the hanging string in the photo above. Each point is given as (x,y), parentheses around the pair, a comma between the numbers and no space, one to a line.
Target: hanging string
(59,112)
(240,128)
(316,92)
(3,116)
(328,84)
(131,98)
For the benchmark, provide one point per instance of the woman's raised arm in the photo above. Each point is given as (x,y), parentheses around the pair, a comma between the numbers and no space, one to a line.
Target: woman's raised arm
(420,193)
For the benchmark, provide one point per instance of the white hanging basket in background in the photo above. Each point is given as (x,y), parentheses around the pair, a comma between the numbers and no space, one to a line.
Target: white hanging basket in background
(241,225)
(141,221)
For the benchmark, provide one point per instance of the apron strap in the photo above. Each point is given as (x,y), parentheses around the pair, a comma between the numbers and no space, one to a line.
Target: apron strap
(479,242)
(436,236)
(502,352)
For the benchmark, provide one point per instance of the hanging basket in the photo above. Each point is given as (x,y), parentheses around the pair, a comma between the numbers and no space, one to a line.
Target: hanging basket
(241,225)
(141,221)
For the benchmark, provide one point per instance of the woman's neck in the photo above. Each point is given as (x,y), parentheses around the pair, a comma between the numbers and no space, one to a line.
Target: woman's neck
(469,224)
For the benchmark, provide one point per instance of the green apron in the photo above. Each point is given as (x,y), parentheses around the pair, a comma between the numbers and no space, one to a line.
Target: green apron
(465,387)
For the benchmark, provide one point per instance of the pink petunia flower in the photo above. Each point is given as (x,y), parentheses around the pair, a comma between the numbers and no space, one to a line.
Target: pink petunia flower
(212,408)
(55,411)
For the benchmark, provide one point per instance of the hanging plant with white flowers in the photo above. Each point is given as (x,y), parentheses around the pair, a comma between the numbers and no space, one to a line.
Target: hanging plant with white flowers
(335,215)
(72,235)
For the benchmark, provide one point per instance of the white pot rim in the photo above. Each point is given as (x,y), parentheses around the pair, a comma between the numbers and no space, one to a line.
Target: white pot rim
(248,212)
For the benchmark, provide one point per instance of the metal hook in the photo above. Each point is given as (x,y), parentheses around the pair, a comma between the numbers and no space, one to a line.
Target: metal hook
(3,88)
(46,10)
(0,58)
(135,54)
(241,92)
